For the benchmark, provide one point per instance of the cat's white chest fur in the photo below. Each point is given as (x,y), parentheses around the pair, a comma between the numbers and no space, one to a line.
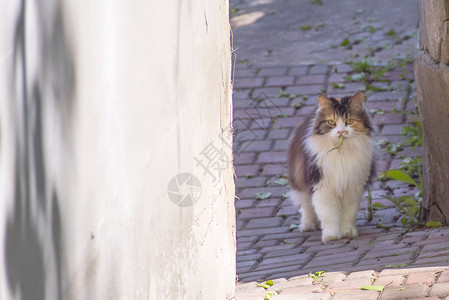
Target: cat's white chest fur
(345,168)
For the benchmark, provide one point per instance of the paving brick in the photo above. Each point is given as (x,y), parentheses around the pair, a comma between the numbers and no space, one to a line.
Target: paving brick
(244,203)
(319,69)
(248,82)
(392,129)
(244,246)
(244,182)
(272,72)
(262,274)
(346,88)
(265,243)
(337,78)
(311,80)
(271,157)
(326,261)
(269,202)
(313,289)
(250,213)
(394,260)
(386,106)
(306,111)
(264,222)
(273,170)
(280,81)
(289,258)
(246,170)
(410,251)
(248,239)
(245,264)
(308,296)
(263,231)
(266,93)
(280,247)
(440,290)
(356,294)
(245,158)
(240,94)
(291,122)
(421,278)
(305,89)
(277,134)
(433,260)
(288,211)
(388,118)
(251,192)
(395,280)
(354,284)
(411,291)
(407,271)
(259,146)
(299,70)
(435,247)
(386,96)
(281,145)
(363,274)
(436,240)
(444,277)
(284,252)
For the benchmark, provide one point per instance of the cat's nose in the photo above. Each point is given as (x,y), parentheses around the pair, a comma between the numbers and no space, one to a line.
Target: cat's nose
(340,132)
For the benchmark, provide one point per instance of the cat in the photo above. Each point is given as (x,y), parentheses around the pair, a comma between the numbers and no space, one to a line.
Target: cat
(328,181)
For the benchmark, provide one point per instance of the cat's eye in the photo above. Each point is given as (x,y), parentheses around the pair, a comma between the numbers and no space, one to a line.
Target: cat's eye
(331,123)
(349,121)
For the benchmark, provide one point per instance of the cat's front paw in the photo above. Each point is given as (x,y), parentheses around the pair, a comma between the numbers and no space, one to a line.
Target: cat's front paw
(330,235)
(349,232)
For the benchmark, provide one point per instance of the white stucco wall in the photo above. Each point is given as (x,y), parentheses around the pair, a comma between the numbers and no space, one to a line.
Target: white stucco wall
(129,94)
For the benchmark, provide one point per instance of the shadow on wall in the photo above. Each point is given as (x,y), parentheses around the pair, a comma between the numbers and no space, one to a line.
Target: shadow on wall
(42,94)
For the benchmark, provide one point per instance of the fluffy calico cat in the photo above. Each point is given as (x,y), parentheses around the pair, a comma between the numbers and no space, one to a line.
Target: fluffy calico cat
(328,181)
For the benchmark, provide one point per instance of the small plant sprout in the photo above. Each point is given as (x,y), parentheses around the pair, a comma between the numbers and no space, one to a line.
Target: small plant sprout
(317,275)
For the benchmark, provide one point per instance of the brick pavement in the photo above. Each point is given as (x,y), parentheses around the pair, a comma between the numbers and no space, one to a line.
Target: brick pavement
(270,99)
(409,263)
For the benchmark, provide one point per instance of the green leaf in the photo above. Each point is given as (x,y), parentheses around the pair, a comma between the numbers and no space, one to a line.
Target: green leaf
(281,181)
(264,285)
(408,200)
(293,227)
(391,32)
(399,175)
(378,288)
(285,242)
(270,294)
(379,206)
(345,42)
(338,85)
(269,282)
(434,224)
(404,221)
(306,27)
(262,196)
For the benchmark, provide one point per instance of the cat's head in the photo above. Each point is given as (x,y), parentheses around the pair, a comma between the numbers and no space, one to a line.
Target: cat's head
(342,116)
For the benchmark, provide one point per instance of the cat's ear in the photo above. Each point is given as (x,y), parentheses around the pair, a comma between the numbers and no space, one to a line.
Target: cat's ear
(357,99)
(323,101)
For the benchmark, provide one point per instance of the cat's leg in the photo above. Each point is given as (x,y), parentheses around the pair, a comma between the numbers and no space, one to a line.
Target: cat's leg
(350,207)
(309,219)
(328,211)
